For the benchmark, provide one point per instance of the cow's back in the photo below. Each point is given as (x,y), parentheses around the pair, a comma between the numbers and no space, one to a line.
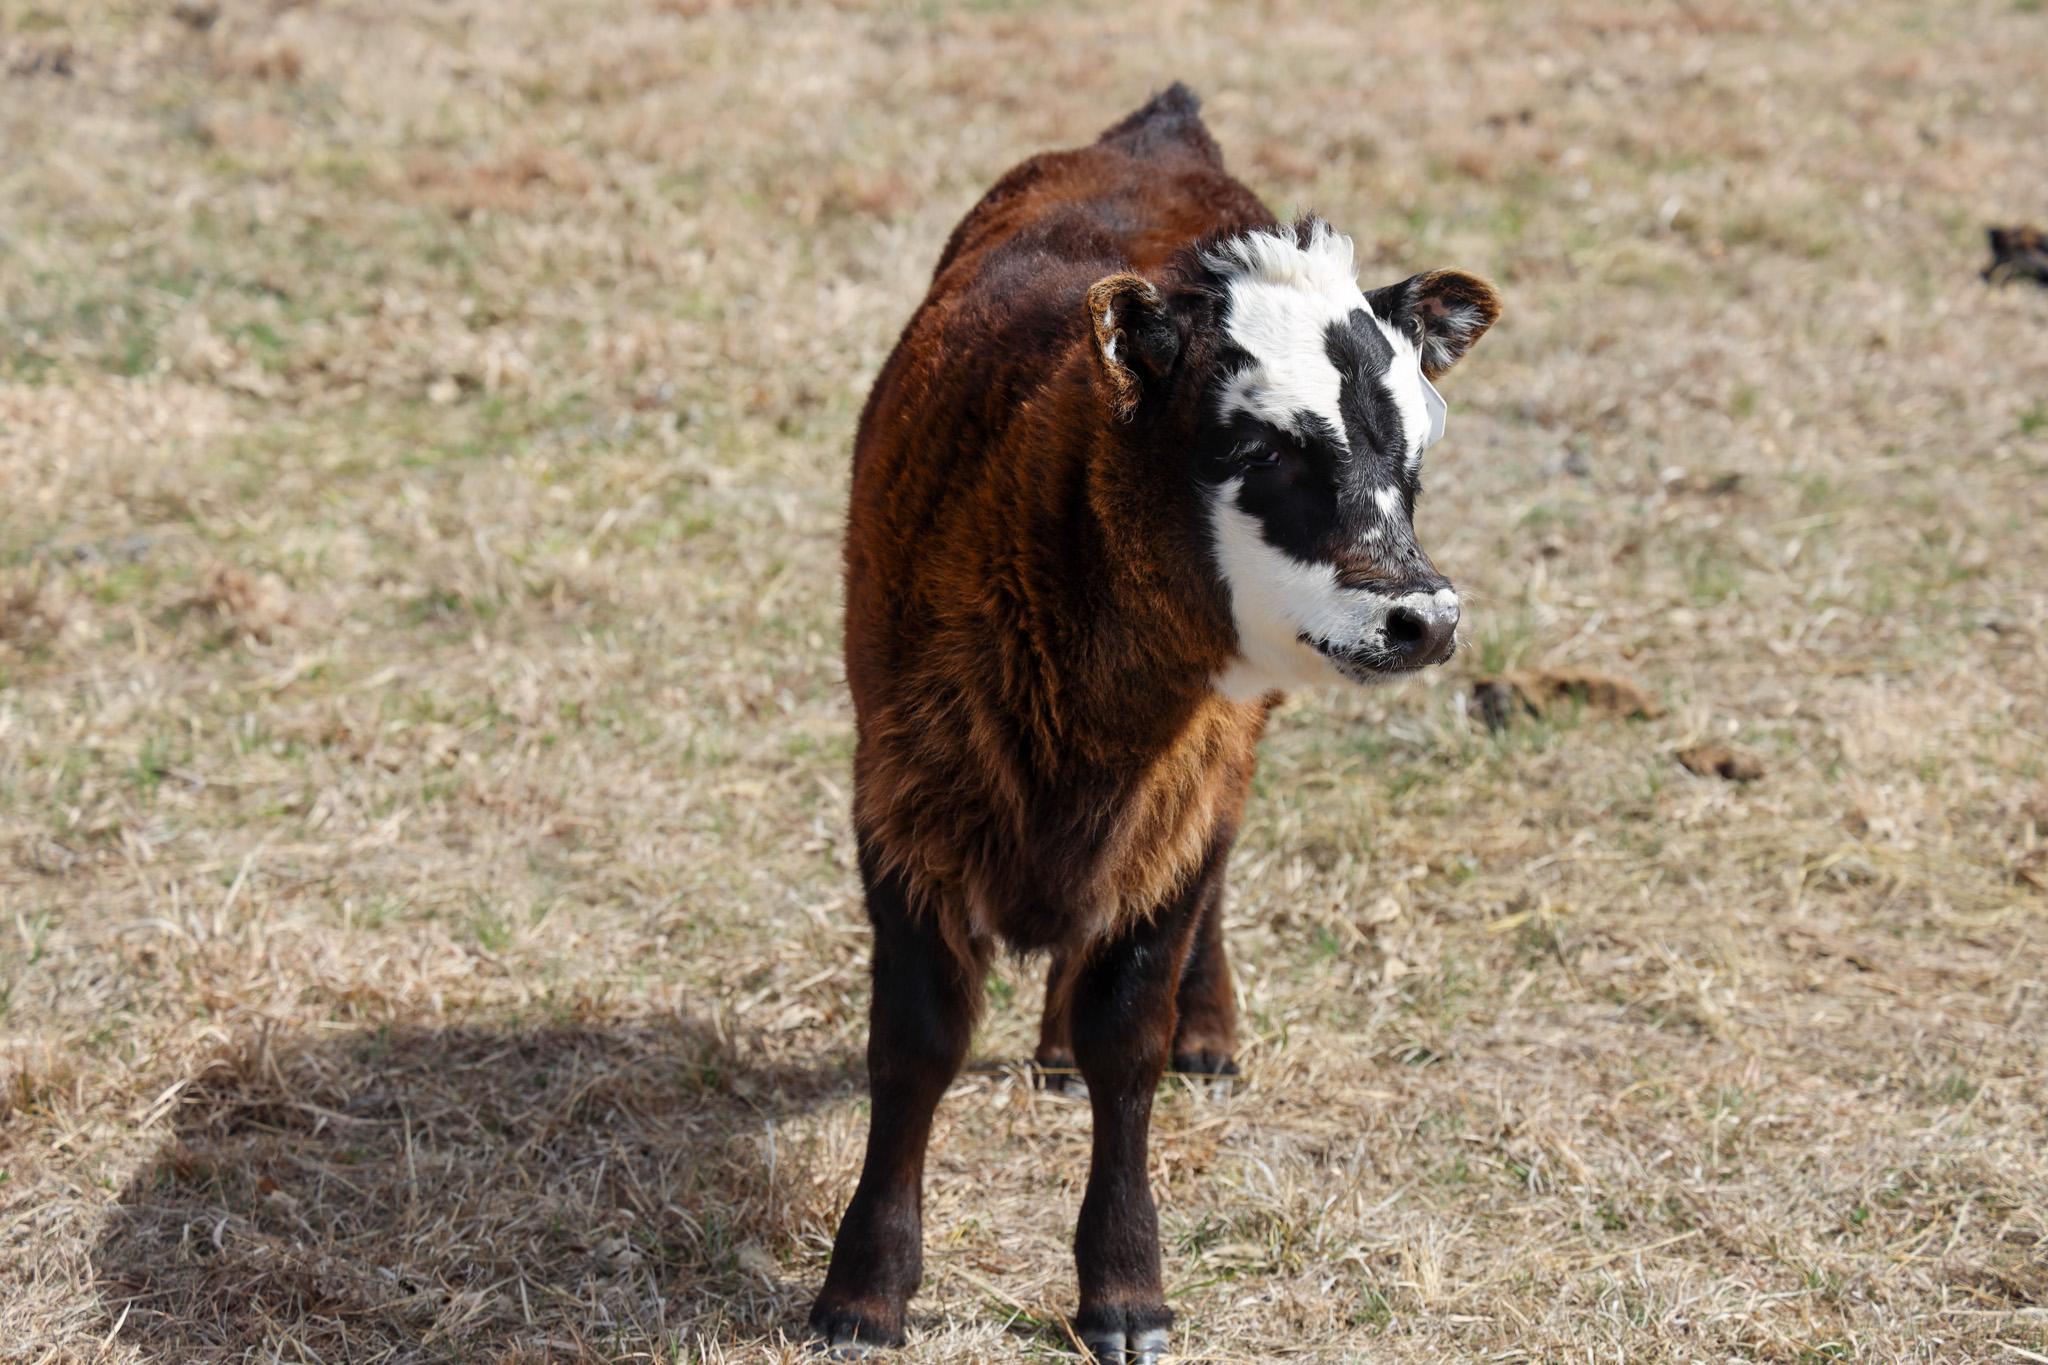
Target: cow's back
(1127,202)
(1007,306)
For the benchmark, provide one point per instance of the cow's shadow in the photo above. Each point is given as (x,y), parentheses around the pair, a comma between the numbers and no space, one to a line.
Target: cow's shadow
(503,1194)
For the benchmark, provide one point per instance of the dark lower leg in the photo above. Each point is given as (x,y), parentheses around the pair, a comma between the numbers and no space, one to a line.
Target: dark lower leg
(1205,1039)
(920,1022)
(1122,1019)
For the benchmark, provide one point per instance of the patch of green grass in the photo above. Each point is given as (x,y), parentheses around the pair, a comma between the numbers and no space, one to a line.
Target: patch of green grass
(1727,1102)
(491,930)
(1818,493)
(1954,1089)
(1404,780)
(1711,576)
(154,761)
(439,604)
(1504,642)
(1455,1171)
(1373,1308)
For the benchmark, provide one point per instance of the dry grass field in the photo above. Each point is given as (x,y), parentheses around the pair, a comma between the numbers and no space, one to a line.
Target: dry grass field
(427,922)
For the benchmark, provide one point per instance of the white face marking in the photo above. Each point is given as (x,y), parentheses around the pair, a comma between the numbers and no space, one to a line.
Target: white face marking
(1410,392)
(1276,599)
(1282,300)
(1282,328)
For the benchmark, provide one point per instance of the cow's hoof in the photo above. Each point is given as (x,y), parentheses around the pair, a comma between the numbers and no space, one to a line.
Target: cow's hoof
(1057,1074)
(1125,1336)
(1144,1348)
(1204,1062)
(849,1334)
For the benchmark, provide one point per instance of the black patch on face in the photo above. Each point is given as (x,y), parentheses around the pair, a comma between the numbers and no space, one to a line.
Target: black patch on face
(1316,501)
(1290,478)
(1372,421)
(1221,442)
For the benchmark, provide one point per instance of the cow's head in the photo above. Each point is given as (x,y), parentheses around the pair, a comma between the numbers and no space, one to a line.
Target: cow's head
(1307,405)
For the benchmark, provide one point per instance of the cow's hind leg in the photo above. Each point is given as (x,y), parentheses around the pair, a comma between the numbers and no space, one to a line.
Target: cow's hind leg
(919,1025)
(1205,1038)
(1122,1018)
(1054,1058)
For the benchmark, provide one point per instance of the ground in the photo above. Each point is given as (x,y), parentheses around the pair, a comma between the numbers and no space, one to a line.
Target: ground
(427,922)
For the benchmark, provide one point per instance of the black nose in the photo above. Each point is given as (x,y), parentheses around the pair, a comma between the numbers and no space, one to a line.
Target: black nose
(1423,630)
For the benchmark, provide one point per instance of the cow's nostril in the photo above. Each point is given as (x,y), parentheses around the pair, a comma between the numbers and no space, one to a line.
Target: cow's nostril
(1422,634)
(1406,629)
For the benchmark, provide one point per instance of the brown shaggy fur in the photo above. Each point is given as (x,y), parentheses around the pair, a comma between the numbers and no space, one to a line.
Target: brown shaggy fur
(1030,630)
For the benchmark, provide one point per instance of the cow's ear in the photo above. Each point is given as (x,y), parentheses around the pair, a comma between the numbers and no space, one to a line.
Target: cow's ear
(1443,312)
(1137,339)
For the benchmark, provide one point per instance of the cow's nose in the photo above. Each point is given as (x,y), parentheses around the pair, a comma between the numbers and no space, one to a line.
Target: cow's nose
(1423,629)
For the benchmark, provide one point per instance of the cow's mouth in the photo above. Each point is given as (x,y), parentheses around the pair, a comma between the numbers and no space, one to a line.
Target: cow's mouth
(1373,663)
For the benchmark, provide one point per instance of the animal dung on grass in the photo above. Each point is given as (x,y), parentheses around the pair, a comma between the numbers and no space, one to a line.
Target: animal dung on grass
(250,604)
(1720,760)
(2017,253)
(2031,868)
(1506,697)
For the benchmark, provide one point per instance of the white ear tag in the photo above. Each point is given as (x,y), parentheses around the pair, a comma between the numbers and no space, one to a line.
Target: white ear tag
(1434,402)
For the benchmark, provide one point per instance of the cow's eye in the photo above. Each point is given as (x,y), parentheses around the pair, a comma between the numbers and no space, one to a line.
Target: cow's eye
(1260,457)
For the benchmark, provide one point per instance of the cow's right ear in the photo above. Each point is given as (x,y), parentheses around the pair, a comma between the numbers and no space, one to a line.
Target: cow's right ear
(1136,338)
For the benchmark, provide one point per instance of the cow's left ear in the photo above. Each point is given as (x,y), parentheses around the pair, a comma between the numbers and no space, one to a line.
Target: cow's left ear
(1137,338)
(1442,312)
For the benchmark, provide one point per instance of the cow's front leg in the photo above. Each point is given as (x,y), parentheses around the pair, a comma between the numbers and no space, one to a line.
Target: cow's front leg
(1121,1015)
(920,1022)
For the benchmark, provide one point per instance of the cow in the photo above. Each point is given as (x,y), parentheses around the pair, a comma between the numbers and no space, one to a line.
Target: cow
(1142,461)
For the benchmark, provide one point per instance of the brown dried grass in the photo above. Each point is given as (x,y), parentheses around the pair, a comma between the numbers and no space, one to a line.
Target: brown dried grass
(427,928)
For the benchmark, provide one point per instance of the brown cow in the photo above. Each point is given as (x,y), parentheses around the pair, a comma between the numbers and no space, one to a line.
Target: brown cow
(1142,460)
